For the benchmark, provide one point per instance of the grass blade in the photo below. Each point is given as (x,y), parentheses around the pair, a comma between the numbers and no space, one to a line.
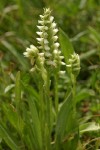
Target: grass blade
(35,122)
(65,121)
(8,139)
(13,51)
(66,45)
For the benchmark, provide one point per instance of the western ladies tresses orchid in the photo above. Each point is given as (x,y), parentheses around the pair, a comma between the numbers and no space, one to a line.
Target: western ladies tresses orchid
(48,46)
(47,57)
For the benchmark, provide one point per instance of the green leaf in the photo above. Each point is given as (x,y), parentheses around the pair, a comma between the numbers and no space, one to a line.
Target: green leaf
(66,45)
(17,90)
(18,102)
(29,137)
(88,127)
(8,138)
(95,35)
(66,117)
(83,94)
(36,127)
(11,114)
(31,91)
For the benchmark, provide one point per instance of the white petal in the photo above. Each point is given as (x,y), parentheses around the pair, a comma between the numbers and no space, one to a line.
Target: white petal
(40,33)
(55,51)
(61,57)
(32,47)
(69,66)
(40,39)
(25,54)
(27,49)
(55,38)
(53,25)
(55,31)
(62,72)
(41,54)
(46,28)
(51,63)
(40,27)
(41,16)
(62,63)
(40,22)
(47,54)
(51,18)
(46,41)
(45,35)
(56,45)
(47,48)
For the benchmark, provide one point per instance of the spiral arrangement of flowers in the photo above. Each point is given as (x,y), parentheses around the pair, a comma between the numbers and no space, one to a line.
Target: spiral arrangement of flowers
(47,57)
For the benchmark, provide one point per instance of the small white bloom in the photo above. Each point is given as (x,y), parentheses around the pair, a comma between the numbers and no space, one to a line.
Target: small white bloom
(47,54)
(56,45)
(55,31)
(41,54)
(28,49)
(41,16)
(46,41)
(51,18)
(46,28)
(61,57)
(55,38)
(33,47)
(40,39)
(25,54)
(41,22)
(71,60)
(52,63)
(40,33)
(62,72)
(45,35)
(62,63)
(55,51)
(47,48)
(40,27)
(69,66)
(47,10)
(53,25)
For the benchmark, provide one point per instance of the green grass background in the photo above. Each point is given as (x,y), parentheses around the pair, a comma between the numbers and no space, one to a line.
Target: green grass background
(80,20)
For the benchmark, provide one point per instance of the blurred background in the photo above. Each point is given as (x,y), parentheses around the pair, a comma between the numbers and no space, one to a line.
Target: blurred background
(79,19)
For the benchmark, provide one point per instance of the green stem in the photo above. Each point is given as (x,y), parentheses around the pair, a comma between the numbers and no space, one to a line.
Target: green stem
(74,92)
(56,94)
(47,113)
(42,111)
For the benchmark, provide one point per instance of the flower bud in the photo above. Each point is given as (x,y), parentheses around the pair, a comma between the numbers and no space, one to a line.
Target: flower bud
(31,52)
(73,65)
